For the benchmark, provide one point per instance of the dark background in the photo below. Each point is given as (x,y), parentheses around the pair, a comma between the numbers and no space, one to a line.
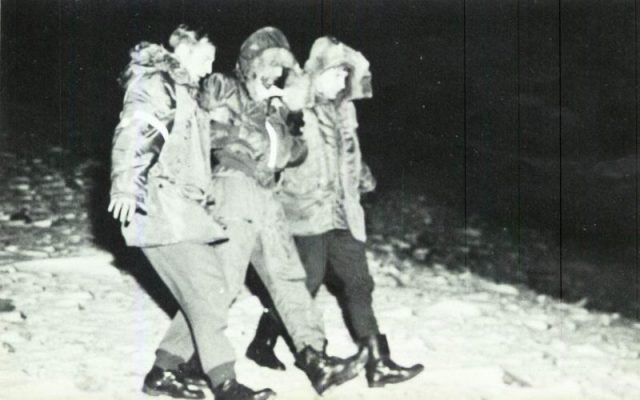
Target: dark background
(523,112)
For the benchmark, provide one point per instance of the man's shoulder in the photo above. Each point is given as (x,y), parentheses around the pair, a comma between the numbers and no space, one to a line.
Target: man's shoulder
(151,87)
(143,80)
(221,79)
(217,89)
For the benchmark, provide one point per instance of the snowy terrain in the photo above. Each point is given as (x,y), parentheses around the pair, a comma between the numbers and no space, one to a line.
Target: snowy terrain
(81,329)
(75,327)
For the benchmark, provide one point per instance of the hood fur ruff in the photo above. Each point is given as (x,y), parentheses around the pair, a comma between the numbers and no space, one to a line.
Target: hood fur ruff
(328,52)
(147,59)
(266,46)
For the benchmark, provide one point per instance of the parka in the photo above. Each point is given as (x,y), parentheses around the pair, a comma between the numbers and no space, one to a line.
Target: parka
(256,139)
(323,193)
(161,153)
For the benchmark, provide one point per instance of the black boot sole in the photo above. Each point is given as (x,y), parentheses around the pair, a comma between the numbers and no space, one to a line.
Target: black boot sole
(337,381)
(156,393)
(197,384)
(359,364)
(266,395)
(344,379)
(383,383)
(262,395)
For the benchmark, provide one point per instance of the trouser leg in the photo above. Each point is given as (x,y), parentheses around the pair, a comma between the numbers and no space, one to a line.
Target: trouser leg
(313,254)
(204,285)
(278,265)
(177,344)
(348,264)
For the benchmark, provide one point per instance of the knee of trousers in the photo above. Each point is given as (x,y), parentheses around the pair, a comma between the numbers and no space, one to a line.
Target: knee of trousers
(313,283)
(359,288)
(314,278)
(210,311)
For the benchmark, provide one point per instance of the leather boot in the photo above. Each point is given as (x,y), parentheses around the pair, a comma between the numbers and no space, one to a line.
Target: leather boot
(380,369)
(233,390)
(325,371)
(191,373)
(163,382)
(261,347)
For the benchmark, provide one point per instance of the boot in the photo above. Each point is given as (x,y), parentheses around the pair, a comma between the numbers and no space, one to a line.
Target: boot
(233,390)
(325,371)
(164,382)
(261,347)
(191,374)
(380,369)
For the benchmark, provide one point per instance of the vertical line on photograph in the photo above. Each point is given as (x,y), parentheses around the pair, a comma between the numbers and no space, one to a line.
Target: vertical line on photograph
(60,68)
(1,74)
(519,127)
(635,12)
(464,116)
(560,132)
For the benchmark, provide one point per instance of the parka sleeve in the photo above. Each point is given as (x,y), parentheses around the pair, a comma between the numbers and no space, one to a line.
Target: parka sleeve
(215,92)
(367,180)
(145,122)
(349,121)
(299,152)
(288,150)
(214,97)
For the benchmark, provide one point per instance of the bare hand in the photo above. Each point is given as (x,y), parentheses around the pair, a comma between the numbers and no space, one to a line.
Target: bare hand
(277,102)
(274,91)
(122,209)
(297,92)
(263,93)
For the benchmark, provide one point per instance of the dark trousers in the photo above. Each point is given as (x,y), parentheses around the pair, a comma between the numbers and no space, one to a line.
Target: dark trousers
(337,257)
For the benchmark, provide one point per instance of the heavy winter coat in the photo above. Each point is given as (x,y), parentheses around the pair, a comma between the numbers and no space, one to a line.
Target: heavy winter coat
(323,193)
(161,153)
(255,140)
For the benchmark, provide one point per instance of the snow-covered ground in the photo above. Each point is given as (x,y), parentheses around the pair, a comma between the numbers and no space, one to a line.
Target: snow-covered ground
(78,328)
(82,330)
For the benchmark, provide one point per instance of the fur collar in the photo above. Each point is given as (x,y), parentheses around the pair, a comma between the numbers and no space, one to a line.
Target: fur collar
(147,59)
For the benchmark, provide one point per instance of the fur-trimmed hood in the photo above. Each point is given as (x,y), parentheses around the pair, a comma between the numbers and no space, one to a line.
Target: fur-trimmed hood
(147,59)
(328,52)
(266,46)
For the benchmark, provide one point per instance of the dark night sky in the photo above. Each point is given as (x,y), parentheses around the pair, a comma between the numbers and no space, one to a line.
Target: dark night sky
(513,107)
(63,57)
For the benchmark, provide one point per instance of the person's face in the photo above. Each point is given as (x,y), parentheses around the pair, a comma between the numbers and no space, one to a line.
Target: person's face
(331,82)
(199,60)
(270,74)
(261,84)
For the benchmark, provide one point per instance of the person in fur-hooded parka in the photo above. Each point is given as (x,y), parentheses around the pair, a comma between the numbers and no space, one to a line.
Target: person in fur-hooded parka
(251,144)
(161,174)
(321,199)
(160,155)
